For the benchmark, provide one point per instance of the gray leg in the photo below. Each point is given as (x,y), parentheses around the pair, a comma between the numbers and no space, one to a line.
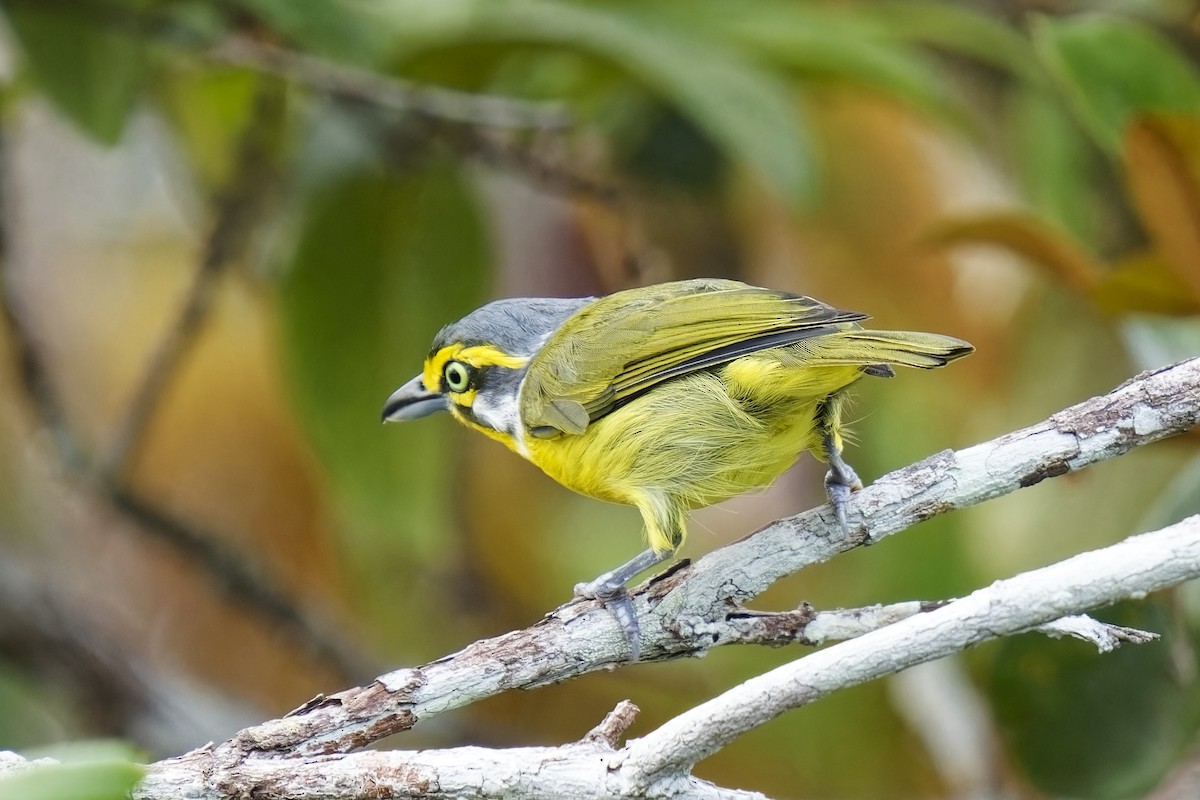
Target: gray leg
(609,589)
(840,481)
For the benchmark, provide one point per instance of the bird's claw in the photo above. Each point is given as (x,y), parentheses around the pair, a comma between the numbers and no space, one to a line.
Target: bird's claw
(840,482)
(615,598)
(839,494)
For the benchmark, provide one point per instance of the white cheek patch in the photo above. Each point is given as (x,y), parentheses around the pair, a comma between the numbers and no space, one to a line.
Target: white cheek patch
(501,414)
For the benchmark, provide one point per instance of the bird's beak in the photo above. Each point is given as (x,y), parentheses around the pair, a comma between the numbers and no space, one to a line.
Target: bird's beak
(413,401)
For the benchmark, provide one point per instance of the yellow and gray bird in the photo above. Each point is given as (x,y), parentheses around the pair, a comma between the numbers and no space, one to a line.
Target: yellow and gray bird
(666,398)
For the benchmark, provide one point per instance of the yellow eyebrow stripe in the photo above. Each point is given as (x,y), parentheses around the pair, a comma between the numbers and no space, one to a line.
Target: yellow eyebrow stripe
(484,355)
(478,356)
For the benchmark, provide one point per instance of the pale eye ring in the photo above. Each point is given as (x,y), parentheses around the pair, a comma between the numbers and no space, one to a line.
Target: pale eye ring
(457,375)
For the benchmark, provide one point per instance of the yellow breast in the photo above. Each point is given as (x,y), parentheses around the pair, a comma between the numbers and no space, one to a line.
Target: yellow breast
(695,441)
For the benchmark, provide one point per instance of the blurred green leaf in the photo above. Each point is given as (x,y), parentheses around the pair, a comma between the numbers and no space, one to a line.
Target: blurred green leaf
(821,43)
(1056,164)
(383,261)
(956,29)
(1111,69)
(1082,724)
(829,47)
(90,59)
(209,110)
(91,771)
(746,110)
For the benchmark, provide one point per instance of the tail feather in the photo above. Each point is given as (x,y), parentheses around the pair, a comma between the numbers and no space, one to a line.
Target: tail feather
(873,349)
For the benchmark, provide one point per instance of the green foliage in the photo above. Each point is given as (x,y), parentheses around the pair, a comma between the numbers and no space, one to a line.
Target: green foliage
(825,44)
(335,28)
(90,771)
(91,64)
(1084,724)
(1110,68)
(1055,164)
(383,260)
(744,109)
(958,29)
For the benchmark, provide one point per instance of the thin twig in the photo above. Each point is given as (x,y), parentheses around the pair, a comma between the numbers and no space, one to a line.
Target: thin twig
(238,208)
(431,102)
(231,573)
(1106,637)
(613,726)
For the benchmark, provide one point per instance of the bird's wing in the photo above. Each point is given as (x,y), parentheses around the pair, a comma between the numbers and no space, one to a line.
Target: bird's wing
(621,345)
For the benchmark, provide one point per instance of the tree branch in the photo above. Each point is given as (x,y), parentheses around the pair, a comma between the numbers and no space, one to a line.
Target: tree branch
(1132,568)
(431,102)
(659,764)
(692,608)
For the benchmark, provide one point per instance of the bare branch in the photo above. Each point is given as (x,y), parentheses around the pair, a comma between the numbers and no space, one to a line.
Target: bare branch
(581,771)
(613,726)
(808,626)
(659,764)
(238,209)
(233,573)
(435,103)
(1132,568)
(1106,637)
(582,637)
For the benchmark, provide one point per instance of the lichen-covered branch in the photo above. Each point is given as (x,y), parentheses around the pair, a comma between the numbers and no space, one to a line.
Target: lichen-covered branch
(1132,568)
(659,764)
(683,612)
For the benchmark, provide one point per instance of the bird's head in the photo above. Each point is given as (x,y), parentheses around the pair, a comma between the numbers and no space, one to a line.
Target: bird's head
(476,365)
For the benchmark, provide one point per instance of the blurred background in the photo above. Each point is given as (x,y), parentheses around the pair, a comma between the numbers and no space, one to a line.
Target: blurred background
(231,228)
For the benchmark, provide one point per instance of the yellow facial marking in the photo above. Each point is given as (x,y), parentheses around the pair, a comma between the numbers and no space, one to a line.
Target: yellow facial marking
(478,356)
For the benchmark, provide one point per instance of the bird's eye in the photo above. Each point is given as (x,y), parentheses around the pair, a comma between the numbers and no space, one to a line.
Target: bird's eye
(457,375)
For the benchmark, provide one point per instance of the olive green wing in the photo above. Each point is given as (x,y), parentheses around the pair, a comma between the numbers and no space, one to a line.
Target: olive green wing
(622,345)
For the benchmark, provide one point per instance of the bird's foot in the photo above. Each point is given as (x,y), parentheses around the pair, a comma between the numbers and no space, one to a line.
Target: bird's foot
(609,589)
(840,482)
(615,598)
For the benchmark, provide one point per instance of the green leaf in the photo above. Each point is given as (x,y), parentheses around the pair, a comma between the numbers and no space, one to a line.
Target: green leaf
(383,261)
(210,110)
(746,110)
(88,59)
(956,29)
(1110,69)
(1082,724)
(1055,162)
(90,771)
(829,44)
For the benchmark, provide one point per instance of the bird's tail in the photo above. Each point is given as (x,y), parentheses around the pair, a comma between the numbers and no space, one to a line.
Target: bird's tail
(871,349)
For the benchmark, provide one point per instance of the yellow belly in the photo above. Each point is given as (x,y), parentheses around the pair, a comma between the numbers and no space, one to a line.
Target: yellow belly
(696,440)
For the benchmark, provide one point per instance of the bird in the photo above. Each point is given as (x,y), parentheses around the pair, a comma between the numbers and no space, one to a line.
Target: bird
(668,397)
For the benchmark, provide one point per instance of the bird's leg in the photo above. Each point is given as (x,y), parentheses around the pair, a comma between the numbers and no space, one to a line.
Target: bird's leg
(840,481)
(609,589)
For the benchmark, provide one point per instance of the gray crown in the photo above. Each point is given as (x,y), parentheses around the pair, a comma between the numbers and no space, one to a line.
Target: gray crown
(519,326)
